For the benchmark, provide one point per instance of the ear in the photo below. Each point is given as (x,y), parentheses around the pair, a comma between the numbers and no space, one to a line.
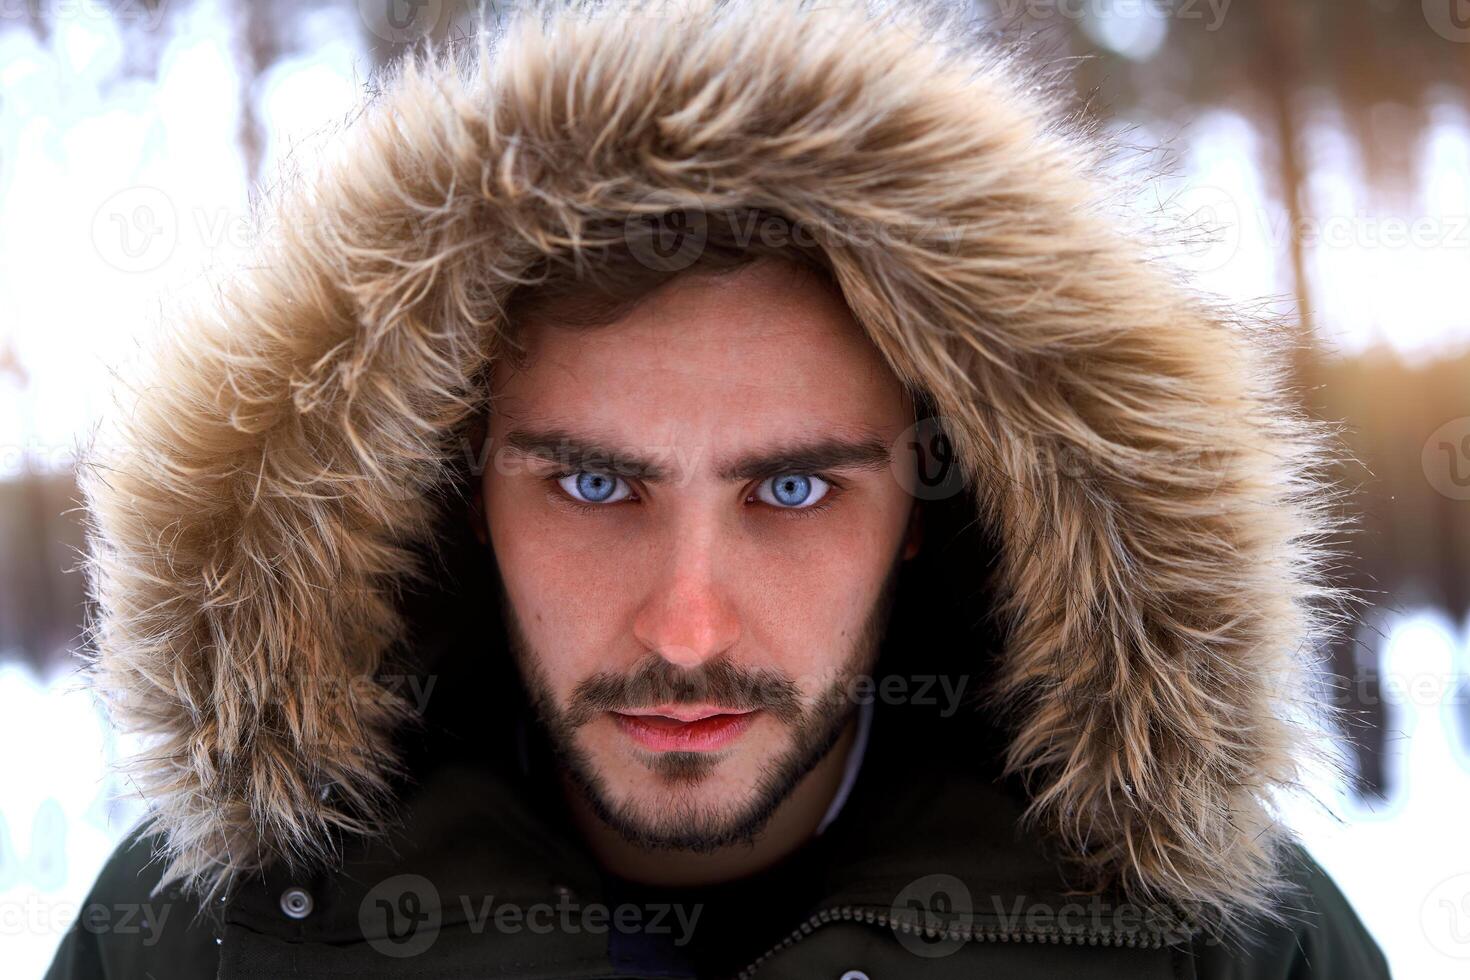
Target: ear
(914,536)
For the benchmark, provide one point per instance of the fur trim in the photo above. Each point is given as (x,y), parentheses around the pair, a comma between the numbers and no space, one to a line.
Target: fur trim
(1161,502)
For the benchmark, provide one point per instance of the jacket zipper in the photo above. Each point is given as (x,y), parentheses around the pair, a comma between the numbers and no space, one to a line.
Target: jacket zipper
(851,913)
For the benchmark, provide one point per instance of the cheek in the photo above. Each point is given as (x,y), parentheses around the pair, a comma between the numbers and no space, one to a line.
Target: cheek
(568,598)
(810,602)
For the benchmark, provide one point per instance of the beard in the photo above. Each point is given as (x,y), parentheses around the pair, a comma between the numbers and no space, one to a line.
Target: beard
(682,824)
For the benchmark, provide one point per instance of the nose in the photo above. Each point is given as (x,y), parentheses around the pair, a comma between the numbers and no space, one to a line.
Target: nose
(687,617)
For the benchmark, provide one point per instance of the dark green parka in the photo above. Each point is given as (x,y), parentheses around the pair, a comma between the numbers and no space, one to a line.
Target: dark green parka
(1120,570)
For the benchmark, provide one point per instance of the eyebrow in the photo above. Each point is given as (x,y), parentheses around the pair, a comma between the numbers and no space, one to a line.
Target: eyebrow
(577,452)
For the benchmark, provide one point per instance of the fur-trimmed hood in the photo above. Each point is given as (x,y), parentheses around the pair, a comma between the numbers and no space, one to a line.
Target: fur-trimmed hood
(1158,501)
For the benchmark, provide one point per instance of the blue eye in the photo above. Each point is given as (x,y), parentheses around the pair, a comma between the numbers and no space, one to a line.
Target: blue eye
(792,490)
(593,488)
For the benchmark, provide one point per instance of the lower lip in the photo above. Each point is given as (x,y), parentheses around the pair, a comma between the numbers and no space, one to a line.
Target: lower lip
(669,735)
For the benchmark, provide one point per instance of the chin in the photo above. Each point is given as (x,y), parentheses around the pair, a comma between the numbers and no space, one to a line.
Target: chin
(684,821)
(695,801)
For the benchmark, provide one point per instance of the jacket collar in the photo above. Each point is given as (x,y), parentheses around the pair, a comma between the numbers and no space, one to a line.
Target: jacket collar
(931,836)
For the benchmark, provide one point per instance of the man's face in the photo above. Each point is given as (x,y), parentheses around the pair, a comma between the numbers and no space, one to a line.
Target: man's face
(698,534)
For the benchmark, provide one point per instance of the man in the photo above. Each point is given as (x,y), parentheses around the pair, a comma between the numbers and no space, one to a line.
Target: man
(709,493)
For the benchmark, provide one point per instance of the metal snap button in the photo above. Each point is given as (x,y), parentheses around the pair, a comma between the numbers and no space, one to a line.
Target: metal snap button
(854,975)
(296,902)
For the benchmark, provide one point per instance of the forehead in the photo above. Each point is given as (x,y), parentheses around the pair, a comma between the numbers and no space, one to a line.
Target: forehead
(765,352)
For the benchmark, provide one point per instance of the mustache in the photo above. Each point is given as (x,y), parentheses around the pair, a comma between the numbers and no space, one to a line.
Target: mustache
(657,681)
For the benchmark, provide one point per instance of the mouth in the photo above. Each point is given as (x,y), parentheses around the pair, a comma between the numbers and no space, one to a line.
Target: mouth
(683,728)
